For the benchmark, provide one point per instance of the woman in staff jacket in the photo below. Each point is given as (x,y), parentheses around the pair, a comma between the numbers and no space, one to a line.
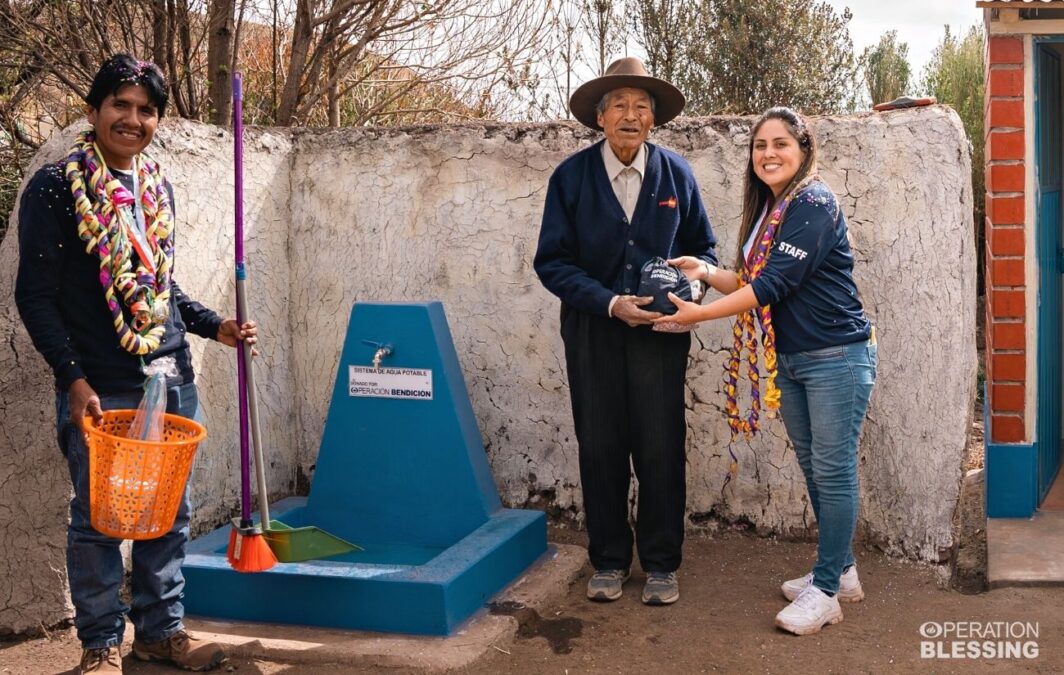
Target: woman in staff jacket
(795,258)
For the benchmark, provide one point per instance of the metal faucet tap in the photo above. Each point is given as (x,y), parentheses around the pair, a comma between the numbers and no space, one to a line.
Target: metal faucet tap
(382,351)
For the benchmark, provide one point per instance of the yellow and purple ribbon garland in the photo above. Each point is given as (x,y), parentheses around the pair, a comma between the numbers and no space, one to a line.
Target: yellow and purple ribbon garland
(744,337)
(104,223)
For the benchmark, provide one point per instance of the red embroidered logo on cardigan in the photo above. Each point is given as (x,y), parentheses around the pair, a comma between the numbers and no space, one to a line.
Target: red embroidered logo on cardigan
(670,202)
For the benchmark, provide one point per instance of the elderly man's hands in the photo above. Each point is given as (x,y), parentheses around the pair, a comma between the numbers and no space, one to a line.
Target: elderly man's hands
(629,309)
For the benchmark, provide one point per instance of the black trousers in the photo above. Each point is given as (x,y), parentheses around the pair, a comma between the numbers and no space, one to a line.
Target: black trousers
(627,389)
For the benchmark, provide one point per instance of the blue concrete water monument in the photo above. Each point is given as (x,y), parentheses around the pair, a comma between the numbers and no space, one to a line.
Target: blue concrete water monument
(403,473)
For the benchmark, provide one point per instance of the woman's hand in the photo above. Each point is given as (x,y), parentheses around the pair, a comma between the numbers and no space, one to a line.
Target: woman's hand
(629,309)
(692,268)
(686,314)
(717,278)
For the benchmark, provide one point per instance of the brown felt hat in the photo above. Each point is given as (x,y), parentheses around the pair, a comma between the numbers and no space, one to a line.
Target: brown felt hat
(626,72)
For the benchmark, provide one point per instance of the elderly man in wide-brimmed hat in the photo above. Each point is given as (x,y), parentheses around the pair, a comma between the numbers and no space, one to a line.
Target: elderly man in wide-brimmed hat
(610,209)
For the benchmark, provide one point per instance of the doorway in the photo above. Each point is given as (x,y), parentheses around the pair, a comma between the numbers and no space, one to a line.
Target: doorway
(1049,153)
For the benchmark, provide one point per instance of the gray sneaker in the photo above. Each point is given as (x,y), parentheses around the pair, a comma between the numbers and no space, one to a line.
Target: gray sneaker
(605,585)
(662,588)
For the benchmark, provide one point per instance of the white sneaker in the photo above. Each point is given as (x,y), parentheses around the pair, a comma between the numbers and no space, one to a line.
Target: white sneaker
(810,611)
(849,586)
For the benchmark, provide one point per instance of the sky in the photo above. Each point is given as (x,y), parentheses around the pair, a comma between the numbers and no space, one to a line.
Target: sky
(920,23)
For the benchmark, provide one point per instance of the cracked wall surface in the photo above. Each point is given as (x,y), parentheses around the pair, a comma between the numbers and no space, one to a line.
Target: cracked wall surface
(452,213)
(33,505)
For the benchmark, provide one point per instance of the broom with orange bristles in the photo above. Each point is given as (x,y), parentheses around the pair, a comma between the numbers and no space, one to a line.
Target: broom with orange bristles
(248,550)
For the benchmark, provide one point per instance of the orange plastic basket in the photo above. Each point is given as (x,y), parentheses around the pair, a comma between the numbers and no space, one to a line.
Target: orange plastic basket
(135,487)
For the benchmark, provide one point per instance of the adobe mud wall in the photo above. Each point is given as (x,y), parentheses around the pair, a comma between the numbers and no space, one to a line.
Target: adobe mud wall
(452,213)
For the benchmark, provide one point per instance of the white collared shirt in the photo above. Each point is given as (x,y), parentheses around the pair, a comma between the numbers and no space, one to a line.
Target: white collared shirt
(626,180)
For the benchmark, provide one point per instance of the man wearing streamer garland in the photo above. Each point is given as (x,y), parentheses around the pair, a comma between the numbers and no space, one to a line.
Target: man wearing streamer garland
(96,293)
(610,208)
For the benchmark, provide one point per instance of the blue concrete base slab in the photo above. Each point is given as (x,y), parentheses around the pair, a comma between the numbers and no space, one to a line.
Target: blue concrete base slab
(387,587)
(309,648)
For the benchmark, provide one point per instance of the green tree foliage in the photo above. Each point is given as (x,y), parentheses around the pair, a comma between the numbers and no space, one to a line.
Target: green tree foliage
(667,31)
(743,56)
(955,76)
(886,68)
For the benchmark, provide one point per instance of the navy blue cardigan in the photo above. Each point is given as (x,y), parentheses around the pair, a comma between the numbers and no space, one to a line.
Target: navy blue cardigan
(588,251)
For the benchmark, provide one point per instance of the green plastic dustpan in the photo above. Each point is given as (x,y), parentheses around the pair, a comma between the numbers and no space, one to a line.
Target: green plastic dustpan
(296,544)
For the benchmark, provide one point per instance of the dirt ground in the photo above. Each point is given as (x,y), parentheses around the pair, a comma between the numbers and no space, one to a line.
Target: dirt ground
(722,623)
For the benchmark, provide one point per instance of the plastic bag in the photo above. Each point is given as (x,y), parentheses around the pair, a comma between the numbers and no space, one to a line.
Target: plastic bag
(148,423)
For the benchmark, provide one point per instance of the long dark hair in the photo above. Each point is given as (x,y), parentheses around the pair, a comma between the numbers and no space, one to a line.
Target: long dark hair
(122,69)
(756,193)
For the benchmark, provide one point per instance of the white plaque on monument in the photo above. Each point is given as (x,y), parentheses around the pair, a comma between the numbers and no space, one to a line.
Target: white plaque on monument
(412,383)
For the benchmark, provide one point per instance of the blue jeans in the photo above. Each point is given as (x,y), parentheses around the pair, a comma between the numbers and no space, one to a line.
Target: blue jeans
(824,397)
(94,562)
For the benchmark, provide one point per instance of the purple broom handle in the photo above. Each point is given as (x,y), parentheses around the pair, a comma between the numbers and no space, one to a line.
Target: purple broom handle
(238,151)
(241,375)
